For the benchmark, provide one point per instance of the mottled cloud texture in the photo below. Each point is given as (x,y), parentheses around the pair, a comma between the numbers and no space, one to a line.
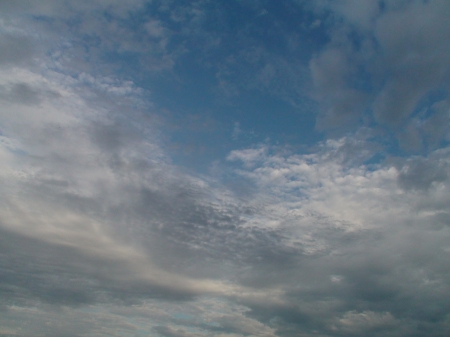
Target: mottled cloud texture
(224,168)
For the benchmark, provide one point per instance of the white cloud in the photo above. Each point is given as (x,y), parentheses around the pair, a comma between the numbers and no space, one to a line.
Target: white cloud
(305,188)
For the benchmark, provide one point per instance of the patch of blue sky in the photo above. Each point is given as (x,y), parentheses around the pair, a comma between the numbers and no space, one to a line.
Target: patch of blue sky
(208,131)
(267,112)
(226,69)
(192,87)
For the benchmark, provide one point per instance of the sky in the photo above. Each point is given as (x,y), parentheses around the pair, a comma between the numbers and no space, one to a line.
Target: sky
(224,168)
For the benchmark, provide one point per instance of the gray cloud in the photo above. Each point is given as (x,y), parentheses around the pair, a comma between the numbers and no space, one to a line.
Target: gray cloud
(23,93)
(415,57)
(322,244)
(374,270)
(331,72)
(15,49)
(419,173)
(100,234)
(382,58)
(428,130)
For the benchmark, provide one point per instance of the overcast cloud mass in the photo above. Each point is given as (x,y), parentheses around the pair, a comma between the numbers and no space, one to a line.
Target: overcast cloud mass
(224,168)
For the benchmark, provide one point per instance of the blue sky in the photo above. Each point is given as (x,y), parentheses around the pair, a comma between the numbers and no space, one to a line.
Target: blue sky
(224,168)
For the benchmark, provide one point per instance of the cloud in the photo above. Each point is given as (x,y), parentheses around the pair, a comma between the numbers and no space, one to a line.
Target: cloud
(102,233)
(387,60)
(353,222)
(15,49)
(71,160)
(332,71)
(104,220)
(420,173)
(355,323)
(91,198)
(51,8)
(172,332)
(428,130)
(413,68)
